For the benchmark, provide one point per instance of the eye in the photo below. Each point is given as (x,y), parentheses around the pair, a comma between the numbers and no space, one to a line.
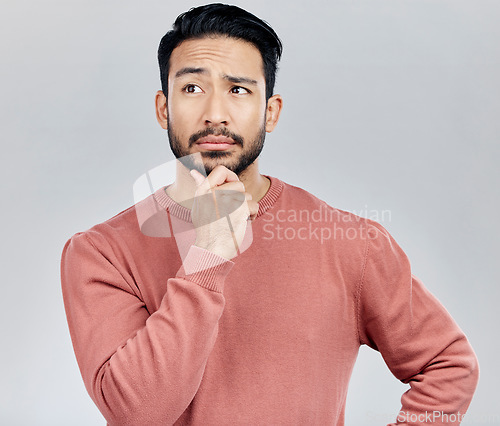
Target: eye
(238,90)
(192,88)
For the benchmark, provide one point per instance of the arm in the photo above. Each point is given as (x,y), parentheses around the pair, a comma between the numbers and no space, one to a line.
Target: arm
(417,337)
(140,368)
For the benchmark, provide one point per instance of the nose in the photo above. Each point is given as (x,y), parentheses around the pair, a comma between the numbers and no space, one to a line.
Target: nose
(216,111)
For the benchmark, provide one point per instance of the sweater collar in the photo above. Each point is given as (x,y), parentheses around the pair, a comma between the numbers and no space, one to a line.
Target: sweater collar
(184,213)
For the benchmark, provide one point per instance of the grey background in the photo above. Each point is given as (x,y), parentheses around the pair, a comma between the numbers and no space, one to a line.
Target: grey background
(389,105)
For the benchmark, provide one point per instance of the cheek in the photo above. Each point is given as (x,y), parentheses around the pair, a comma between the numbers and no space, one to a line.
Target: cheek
(177,102)
(181,118)
(248,118)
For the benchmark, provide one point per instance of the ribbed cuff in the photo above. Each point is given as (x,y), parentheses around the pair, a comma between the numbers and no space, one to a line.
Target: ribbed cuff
(205,268)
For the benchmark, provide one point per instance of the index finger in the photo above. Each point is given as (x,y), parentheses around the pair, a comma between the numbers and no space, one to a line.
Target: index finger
(197,176)
(220,175)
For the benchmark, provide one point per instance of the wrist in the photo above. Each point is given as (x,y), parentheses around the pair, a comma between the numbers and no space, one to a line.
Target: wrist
(221,250)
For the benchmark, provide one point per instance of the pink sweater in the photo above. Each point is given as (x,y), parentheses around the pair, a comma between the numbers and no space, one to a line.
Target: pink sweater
(269,339)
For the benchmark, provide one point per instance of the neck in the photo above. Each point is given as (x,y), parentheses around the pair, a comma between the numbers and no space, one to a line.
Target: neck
(256,184)
(183,189)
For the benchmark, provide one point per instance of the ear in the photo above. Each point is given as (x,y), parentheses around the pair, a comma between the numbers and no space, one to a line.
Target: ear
(273,111)
(161,109)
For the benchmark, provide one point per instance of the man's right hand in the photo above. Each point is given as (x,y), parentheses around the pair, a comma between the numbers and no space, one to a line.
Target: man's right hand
(220,211)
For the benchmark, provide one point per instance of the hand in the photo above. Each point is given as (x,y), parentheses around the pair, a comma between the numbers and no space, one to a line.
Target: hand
(220,211)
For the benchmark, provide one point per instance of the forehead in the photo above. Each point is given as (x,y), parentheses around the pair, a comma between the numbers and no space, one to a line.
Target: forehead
(218,54)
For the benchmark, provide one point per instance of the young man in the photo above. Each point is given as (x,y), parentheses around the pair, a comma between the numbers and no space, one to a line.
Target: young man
(265,335)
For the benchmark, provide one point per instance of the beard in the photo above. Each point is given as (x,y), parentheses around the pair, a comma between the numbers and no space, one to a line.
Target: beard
(236,163)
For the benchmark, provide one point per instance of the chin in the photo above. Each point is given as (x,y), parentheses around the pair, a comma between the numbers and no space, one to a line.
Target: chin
(215,154)
(210,165)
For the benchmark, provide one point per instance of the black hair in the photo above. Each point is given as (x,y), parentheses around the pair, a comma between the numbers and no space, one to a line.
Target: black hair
(226,20)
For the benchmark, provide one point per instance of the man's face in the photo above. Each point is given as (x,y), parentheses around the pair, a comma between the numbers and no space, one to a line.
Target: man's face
(216,102)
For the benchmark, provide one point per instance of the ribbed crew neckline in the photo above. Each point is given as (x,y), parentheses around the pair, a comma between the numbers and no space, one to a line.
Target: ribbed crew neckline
(184,213)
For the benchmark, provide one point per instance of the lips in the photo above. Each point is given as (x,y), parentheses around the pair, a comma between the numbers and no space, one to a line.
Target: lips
(211,139)
(215,143)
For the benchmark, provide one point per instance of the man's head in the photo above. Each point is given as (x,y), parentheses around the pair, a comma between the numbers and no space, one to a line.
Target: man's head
(218,68)
(223,20)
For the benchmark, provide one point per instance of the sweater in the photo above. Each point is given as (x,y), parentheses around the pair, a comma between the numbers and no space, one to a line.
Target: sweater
(165,332)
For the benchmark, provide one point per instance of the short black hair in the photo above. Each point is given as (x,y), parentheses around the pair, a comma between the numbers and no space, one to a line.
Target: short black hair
(226,20)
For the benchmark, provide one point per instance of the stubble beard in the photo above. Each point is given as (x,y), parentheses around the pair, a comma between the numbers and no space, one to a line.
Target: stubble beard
(237,164)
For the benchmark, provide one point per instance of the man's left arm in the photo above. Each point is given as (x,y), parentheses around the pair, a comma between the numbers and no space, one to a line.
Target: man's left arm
(418,339)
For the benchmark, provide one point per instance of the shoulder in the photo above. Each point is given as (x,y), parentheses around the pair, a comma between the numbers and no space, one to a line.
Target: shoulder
(344,228)
(114,232)
(299,199)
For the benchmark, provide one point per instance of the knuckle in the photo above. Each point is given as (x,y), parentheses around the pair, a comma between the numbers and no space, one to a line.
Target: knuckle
(219,168)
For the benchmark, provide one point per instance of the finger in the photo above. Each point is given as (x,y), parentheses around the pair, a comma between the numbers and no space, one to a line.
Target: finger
(197,176)
(231,187)
(253,209)
(202,183)
(220,175)
(227,201)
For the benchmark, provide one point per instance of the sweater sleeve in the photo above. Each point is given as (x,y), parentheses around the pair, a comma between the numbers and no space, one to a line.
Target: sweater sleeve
(139,367)
(418,339)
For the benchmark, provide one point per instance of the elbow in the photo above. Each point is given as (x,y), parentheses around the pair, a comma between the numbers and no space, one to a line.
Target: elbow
(136,413)
(473,370)
(124,404)
(468,377)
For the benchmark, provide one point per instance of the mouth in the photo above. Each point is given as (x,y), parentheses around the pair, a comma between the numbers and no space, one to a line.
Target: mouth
(215,143)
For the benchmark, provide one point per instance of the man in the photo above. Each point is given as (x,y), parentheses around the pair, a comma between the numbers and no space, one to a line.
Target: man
(262,333)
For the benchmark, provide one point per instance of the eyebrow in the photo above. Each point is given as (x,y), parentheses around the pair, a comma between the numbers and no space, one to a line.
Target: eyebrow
(231,78)
(190,70)
(238,80)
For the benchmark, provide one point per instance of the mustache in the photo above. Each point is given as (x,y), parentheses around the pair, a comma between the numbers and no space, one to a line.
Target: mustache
(222,131)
